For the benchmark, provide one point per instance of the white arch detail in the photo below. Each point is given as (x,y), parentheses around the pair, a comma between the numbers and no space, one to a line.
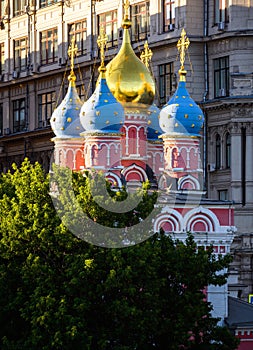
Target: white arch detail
(205,214)
(137,128)
(115,145)
(135,169)
(169,215)
(160,154)
(203,221)
(195,149)
(191,179)
(115,177)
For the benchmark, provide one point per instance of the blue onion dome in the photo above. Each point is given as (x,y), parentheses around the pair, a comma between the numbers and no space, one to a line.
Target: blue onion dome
(102,113)
(154,129)
(65,120)
(181,115)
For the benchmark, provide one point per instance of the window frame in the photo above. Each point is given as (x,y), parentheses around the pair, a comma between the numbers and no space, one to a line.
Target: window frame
(165,81)
(46,108)
(1,120)
(2,8)
(136,18)
(223,195)
(109,26)
(20,111)
(221,76)
(45,57)
(82,33)
(221,11)
(2,58)
(18,7)
(228,150)
(217,152)
(82,93)
(169,9)
(45,3)
(20,63)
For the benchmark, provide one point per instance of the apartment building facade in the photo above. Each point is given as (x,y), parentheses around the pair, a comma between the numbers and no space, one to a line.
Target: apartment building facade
(34,40)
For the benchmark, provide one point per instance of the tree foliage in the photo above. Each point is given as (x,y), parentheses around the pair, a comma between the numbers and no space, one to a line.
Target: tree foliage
(59,292)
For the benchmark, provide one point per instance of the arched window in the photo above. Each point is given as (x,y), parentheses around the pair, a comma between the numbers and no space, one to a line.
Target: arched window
(228,150)
(218,152)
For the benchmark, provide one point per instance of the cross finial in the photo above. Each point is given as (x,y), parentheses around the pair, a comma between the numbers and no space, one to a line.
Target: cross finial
(146,55)
(182,45)
(126,8)
(72,52)
(102,40)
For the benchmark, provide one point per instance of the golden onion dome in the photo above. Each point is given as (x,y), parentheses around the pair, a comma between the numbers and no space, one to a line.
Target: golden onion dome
(127,76)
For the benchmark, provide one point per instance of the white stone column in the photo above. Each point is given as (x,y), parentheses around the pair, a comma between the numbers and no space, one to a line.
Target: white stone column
(249,165)
(236,161)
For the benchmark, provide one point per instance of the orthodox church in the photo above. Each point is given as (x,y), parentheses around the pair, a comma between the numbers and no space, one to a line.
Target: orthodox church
(120,132)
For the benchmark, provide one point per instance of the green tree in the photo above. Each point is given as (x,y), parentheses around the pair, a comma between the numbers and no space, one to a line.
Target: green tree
(60,292)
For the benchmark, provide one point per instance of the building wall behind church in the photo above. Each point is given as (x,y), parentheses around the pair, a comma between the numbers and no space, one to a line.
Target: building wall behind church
(219,77)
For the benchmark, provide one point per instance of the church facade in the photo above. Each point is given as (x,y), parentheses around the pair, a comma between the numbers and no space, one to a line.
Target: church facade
(34,39)
(120,132)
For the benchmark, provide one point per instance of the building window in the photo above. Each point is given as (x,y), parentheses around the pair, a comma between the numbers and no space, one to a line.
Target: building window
(166,81)
(44,3)
(217,152)
(19,122)
(2,59)
(49,46)
(221,77)
(109,22)
(1,119)
(79,31)
(19,7)
(140,21)
(221,11)
(168,15)
(46,104)
(228,150)
(2,8)
(223,195)
(81,92)
(20,54)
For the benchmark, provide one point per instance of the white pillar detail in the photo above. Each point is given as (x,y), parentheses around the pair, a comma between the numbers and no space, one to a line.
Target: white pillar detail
(249,166)
(127,144)
(108,155)
(187,158)
(236,161)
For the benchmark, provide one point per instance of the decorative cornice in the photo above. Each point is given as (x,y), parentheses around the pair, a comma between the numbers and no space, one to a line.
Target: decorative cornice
(227,103)
(27,134)
(179,136)
(158,142)
(88,134)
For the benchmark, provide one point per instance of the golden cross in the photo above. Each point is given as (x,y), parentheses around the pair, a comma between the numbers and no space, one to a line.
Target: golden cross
(72,52)
(146,55)
(182,45)
(126,8)
(102,40)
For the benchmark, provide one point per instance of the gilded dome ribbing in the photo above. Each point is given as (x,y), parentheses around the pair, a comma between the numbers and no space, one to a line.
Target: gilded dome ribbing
(127,77)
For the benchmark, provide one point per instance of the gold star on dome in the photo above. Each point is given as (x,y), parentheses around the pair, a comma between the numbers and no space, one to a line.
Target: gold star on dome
(146,55)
